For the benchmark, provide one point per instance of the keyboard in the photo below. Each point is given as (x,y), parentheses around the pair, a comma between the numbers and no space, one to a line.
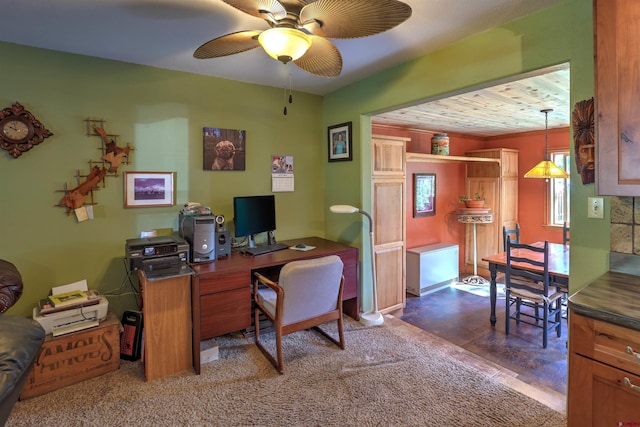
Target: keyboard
(265,249)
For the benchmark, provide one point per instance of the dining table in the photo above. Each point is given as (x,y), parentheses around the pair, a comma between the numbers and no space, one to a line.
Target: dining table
(558,268)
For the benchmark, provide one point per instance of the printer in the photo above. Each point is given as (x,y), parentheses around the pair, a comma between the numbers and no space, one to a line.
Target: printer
(156,252)
(75,319)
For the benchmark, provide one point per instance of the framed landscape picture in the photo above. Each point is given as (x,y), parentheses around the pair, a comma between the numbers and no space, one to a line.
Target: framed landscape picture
(424,194)
(149,189)
(340,142)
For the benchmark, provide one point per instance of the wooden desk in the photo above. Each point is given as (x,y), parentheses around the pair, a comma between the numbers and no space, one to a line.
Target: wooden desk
(558,268)
(221,290)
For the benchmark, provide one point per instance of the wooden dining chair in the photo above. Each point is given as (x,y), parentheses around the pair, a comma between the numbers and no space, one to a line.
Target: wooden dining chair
(528,284)
(513,235)
(308,294)
(565,233)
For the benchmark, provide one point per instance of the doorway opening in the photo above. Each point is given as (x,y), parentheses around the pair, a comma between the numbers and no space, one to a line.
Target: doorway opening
(501,114)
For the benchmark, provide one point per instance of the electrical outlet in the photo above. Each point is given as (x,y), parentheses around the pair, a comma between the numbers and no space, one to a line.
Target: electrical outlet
(595,208)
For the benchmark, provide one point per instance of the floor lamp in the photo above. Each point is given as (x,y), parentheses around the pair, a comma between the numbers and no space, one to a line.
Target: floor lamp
(373,317)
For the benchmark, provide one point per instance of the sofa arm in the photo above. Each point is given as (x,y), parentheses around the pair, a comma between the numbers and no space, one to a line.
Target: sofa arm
(10,285)
(20,343)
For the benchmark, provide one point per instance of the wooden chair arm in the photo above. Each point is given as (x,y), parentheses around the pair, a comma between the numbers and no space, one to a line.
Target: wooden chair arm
(266,281)
(271,284)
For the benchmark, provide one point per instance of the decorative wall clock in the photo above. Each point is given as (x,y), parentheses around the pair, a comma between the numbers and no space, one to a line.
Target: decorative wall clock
(20,130)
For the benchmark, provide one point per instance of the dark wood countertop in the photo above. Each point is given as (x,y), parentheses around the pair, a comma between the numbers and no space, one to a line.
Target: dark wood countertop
(242,262)
(613,297)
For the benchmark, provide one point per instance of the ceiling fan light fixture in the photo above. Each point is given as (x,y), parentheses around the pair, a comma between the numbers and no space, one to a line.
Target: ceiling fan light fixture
(546,169)
(284,44)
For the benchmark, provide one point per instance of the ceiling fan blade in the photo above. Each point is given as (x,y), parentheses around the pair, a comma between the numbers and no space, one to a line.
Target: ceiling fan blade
(228,45)
(322,59)
(254,7)
(339,19)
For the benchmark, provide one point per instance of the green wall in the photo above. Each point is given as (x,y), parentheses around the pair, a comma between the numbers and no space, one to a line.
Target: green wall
(161,113)
(559,34)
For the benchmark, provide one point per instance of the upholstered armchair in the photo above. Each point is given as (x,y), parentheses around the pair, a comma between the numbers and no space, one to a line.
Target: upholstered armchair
(308,294)
(20,341)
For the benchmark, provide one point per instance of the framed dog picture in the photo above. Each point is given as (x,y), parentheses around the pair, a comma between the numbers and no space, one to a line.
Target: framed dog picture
(340,142)
(224,149)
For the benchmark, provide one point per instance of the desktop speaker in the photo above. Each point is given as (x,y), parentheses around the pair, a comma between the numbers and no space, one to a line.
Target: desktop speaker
(220,223)
(271,238)
(223,244)
(200,232)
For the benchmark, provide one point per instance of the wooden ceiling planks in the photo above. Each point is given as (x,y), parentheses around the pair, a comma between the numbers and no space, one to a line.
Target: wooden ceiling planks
(502,109)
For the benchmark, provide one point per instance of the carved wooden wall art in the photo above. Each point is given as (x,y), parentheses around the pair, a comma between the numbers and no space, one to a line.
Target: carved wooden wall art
(584,140)
(111,158)
(77,196)
(20,131)
(111,153)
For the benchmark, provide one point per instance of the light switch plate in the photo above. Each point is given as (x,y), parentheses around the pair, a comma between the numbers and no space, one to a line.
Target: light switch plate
(595,208)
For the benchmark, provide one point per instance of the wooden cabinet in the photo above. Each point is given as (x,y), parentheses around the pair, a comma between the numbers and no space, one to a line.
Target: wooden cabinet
(604,373)
(388,201)
(497,182)
(389,155)
(167,318)
(617,84)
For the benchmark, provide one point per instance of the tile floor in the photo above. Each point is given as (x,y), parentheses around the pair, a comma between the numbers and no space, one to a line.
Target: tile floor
(459,321)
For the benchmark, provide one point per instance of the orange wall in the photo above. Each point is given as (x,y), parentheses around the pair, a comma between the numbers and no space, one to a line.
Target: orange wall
(450,183)
(532,192)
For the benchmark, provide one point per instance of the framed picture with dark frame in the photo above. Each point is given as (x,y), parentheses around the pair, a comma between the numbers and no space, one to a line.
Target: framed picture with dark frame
(224,149)
(149,189)
(340,142)
(424,194)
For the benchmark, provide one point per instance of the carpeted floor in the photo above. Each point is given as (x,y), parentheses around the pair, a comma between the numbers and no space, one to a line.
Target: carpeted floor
(383,378)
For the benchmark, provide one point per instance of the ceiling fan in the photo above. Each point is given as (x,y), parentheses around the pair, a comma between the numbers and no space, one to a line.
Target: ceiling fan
(300,29)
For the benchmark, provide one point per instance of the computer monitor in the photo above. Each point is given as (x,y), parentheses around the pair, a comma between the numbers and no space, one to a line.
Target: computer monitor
(253,215)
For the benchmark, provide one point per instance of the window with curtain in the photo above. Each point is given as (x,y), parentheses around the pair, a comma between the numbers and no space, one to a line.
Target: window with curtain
(558,191)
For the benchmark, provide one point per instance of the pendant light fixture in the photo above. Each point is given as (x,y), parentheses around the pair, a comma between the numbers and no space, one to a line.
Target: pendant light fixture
(546,169)
(284,44)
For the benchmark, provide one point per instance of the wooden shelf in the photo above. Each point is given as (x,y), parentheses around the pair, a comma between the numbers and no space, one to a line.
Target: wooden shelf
(437,158)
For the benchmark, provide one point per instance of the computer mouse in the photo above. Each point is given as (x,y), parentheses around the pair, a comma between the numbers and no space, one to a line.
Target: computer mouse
(301,246)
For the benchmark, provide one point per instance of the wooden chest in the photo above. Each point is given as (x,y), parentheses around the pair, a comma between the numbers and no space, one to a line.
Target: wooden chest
(72,358)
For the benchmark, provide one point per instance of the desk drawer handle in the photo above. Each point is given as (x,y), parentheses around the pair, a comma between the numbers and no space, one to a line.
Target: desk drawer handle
(633,353)
(627,381)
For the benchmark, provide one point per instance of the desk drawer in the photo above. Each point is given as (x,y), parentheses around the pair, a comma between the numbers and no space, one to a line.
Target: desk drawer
(225,312)
(211,283)
(611,344)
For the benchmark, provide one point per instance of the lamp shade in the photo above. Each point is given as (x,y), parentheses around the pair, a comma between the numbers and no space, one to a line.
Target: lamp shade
(284,44)
(546,169)
(343,209)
